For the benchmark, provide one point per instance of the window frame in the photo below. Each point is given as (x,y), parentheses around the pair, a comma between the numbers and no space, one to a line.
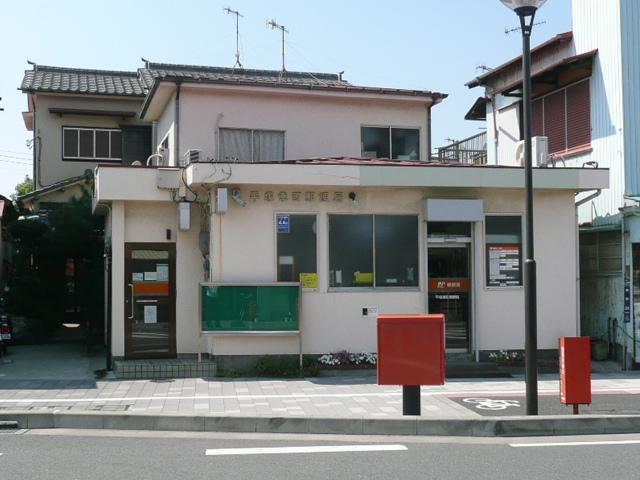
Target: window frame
(418,274)
(275,244)
(94,158)
(485,252)
(253,130)
(390,128)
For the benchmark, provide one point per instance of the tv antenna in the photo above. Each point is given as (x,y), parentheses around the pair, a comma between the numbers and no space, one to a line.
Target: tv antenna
(238,16)
(507,31)
(484,68)
(274,25)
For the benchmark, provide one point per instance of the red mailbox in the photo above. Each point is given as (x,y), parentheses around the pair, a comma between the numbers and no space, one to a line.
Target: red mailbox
(575,371)
(411,350)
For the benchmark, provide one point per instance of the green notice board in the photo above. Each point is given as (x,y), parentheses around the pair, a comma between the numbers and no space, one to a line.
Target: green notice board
(243,308)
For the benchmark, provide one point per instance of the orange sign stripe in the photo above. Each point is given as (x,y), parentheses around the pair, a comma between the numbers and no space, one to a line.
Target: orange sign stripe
(154,288)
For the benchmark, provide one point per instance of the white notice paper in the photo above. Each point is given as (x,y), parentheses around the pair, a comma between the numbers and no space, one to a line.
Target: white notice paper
(150,276)
(150,314)
(162,271)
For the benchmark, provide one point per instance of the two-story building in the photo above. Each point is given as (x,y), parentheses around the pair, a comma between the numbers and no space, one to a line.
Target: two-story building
(281,212)
(271,177)
(585,115)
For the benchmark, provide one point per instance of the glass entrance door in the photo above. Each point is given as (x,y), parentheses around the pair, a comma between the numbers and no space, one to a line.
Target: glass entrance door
(449,291)
(149,309)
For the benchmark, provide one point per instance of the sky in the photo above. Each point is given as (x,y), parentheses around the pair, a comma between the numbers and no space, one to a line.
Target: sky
(433,45)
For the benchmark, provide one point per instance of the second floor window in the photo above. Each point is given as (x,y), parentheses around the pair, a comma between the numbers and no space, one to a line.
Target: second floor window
(91,144)
(246,145)
(564,116)
(390,142)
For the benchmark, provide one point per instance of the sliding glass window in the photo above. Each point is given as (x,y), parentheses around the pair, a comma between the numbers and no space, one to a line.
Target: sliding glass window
(373,250)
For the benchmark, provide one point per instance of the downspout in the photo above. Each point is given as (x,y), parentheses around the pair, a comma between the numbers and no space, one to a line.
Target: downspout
(495,128)
(428,132)
(107,297)
(176,123)
(35,180)
(577,204)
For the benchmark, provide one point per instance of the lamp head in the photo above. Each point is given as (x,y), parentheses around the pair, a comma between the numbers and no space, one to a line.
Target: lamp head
(524,7)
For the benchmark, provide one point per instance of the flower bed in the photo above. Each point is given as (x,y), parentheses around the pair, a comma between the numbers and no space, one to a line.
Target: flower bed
(348,361)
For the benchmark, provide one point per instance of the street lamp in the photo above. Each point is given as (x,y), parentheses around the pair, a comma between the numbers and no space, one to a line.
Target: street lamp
(526,10)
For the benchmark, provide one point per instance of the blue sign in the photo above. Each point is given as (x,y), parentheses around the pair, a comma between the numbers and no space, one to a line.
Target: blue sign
(627,303)
(283,223)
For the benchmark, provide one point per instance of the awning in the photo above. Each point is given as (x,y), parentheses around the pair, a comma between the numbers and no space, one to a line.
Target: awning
(567,71)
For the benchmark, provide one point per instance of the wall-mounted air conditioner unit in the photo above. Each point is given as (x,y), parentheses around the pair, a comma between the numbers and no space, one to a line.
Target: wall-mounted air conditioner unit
(539,152)
(191,156)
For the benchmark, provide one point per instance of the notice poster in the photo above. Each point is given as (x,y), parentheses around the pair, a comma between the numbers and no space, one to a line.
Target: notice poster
(150,314)
(503,266)
(309,280)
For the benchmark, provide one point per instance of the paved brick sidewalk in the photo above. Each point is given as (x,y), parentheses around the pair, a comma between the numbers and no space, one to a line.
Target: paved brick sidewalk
(316,397)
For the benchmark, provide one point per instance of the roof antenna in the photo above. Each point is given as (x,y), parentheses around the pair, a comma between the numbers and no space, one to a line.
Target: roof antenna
(508,31)
(274,25)
(238,16)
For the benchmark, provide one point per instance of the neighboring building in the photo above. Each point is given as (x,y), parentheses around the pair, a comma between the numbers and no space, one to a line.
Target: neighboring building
(79,118)
(585,104)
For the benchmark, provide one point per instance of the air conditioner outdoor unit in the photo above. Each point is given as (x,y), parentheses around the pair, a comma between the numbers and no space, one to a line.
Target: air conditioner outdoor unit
(191,156)
(539,152)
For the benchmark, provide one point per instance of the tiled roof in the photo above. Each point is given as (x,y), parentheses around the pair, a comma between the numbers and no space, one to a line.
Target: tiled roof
(238,75)
(76,80)
(267,78)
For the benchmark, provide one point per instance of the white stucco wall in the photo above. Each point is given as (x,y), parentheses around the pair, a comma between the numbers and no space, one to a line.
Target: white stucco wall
(48,129)
(140,222)
(315,126)
(243,249)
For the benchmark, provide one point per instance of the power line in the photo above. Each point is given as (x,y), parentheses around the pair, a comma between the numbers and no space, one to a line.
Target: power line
(16,158)
(25,154)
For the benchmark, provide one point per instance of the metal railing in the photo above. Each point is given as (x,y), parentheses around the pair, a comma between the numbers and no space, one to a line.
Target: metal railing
(471,150)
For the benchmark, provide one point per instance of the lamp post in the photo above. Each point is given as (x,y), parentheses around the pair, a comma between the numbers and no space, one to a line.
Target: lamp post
(526,10)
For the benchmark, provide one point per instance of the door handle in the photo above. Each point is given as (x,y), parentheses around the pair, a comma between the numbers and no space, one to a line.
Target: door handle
(131,316)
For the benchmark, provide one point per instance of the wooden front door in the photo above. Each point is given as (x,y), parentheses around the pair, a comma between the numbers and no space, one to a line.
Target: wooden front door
(150,300)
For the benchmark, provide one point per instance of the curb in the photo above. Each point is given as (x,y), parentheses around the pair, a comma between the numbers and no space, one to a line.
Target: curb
(475,427)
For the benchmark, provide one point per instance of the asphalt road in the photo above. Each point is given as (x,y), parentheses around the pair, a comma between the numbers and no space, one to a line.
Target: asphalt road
(115,455)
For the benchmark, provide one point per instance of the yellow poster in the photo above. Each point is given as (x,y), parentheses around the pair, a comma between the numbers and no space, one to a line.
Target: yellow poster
(309,280)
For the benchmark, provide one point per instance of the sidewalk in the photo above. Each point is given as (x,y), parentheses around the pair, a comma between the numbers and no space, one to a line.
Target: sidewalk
(347,403)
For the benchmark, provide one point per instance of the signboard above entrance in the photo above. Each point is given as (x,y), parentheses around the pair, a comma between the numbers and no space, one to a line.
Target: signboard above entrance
(452,210)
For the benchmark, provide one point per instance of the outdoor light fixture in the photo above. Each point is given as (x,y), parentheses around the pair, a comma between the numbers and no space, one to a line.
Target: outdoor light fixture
(526,10)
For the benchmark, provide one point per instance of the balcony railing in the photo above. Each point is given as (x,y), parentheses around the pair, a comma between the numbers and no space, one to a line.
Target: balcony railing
(472,150)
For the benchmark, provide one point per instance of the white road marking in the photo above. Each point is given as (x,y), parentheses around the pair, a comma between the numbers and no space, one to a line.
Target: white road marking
(315,449)
(575,444)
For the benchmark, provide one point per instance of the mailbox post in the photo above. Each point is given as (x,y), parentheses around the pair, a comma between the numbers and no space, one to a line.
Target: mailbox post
(575,371)
(411,353)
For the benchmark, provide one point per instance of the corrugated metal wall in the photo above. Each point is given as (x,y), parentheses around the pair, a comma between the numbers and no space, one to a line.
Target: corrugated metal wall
(596,24)
(630,29)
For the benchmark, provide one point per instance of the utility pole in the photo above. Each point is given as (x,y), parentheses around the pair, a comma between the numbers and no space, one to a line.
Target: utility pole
(274,25)
(238,16)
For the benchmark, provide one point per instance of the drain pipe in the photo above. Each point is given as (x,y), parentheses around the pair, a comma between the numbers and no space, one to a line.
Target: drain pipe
(582,201)
(176,123)
(428,132)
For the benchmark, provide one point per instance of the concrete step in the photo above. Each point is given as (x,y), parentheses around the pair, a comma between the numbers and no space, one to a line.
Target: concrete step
(164,368)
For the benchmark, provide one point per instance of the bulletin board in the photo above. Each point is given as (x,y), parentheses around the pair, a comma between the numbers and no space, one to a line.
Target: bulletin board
(249,307)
